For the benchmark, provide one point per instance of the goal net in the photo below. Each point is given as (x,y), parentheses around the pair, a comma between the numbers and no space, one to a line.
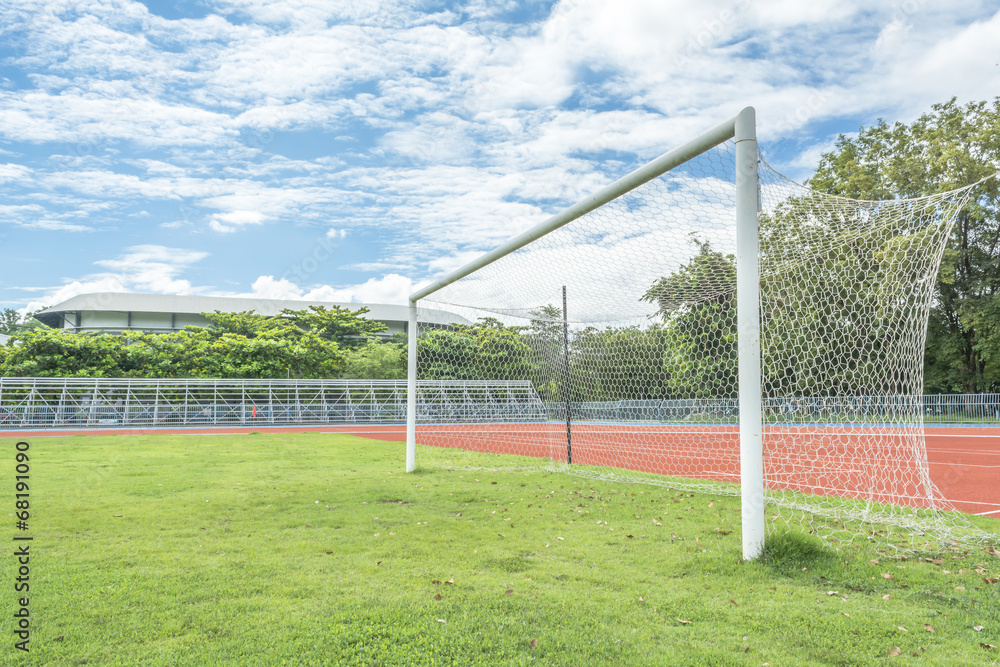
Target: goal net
(624,322)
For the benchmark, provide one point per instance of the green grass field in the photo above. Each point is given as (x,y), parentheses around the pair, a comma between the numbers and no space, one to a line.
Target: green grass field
(314,549)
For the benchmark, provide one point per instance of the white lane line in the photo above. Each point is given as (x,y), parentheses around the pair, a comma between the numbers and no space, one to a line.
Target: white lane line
(985,513)
(961,465)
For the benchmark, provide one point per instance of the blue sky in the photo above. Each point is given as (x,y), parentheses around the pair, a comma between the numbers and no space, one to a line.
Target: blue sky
(352,151)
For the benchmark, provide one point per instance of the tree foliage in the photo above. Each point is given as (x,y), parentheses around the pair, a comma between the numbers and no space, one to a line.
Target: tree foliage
(698,306)
(313,343)
(486,350)
(950,147)
(11,322)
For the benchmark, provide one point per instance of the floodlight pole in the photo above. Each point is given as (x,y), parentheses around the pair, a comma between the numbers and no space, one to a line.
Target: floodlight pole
(411,390)
(748,335)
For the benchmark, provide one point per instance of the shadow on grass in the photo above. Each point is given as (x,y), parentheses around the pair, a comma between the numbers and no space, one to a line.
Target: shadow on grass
(794,548)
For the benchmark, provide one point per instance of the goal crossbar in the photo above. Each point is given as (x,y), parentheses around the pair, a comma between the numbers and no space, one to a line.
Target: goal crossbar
(741,128)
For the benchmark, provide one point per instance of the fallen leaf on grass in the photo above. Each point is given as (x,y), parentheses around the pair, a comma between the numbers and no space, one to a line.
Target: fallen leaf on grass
(508,592)
(894,651)
(901,628)
(438,597)
(683,622)
(988,647)
(977,628)
(450,581)
(990,580)
(58,639)
(441,620)
(886,575)
(886,596)
(929,628)
(832,593)
(630,536)
(436,582)
(533,643)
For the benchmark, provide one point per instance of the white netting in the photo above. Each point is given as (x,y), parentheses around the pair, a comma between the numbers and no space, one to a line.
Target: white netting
(646,360)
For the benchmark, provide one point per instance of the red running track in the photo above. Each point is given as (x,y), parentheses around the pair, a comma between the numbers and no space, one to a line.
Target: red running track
(860,462)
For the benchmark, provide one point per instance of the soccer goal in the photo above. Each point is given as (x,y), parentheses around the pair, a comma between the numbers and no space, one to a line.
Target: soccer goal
(703,324)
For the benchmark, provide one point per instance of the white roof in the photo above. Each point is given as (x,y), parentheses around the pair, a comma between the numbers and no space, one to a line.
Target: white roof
(169,303)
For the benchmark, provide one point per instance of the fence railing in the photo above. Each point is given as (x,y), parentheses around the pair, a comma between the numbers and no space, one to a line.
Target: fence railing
(27,403)
(933,409)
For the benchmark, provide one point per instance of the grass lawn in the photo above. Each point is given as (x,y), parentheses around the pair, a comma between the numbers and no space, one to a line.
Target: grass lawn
(313,549)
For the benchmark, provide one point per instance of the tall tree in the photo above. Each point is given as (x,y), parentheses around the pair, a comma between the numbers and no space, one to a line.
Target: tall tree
(950,147)
(9,319)
(342,325)
(486,350)
(698,305)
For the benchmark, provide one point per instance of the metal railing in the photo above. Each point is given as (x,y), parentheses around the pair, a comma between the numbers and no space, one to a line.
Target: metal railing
(934,409)
(27,403)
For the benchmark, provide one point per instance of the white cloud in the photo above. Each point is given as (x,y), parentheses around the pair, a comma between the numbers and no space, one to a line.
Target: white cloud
(464,129)
(233,220)
(10,173)
(142,268)
(56,226)
(103,283)
(266,287)
(392,289)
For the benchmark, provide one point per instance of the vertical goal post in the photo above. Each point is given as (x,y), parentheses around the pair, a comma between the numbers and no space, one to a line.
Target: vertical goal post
(742,128)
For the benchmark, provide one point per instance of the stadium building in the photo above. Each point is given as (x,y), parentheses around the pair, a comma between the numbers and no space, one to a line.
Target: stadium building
(115,312)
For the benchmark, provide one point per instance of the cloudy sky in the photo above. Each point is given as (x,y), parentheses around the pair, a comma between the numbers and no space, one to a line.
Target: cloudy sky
(352,150)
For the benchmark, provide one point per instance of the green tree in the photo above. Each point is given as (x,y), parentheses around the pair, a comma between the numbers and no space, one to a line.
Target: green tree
(544,336)
(57,353)
(343,326)
(9,319)
(11,322)
(486,350)
(950,147)
(619,363)
(246,324)
(698,306)
(376,361)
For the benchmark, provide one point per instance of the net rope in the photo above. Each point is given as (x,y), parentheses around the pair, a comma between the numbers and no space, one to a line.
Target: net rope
(644,357)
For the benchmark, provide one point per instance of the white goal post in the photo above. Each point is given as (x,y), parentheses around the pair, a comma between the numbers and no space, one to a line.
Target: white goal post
(742,128)
(707,325)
